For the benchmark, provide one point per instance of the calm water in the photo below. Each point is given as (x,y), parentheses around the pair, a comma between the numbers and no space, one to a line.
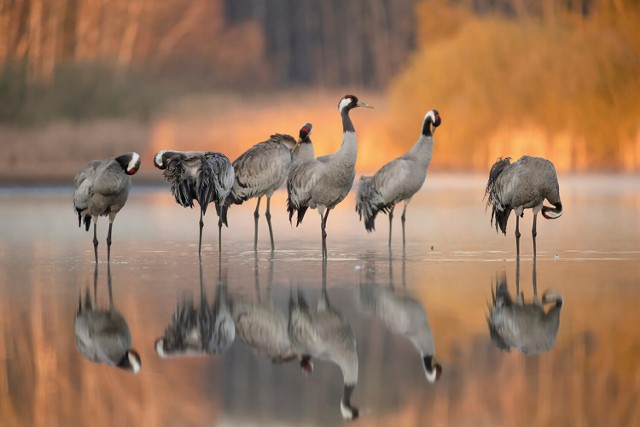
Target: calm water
(591,256)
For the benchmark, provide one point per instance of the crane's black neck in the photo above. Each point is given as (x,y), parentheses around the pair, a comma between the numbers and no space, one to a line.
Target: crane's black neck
(426,128)
(346,401)
(347,125)
(123,161)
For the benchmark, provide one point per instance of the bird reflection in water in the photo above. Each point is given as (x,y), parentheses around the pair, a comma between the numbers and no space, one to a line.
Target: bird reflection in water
(402,314)
(204,330)
(323,333)
(263,327)
(103,336)
(523,326)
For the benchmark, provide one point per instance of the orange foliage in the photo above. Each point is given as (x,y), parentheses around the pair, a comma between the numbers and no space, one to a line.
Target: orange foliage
(566,89)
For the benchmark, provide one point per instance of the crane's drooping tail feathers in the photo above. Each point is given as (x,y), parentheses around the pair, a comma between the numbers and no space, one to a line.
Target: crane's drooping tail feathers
(83,218)
(87,222)
(499,213)
(222,212)
(369,202)
(181,186)
(208,185)
(364,203)
(301,210)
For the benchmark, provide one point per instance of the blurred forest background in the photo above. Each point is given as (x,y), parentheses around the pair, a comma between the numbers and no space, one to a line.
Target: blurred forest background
(84,79)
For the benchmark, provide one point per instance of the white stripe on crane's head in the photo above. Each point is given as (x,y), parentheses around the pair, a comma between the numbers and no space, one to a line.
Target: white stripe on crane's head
(157,160)
(134,164)
(134,361)
(434,116)
(345,102)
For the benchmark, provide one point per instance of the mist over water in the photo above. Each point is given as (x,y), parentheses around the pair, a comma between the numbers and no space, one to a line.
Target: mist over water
(452,261)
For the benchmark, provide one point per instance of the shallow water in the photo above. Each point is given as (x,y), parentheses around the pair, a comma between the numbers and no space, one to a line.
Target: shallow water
(453,258)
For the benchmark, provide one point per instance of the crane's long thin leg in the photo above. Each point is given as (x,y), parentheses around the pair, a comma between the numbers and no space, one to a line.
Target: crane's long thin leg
(321,212)
(256,215)
(268,216)
(534,233)
(109,242)
(324,234)
(201,223)
(403,218)
(517,278)
(219,235)
(517,236)
(391,286)
(95,238)
(535,281)
(390,223)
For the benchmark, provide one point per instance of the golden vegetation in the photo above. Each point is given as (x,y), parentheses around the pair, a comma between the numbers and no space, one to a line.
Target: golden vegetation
(564,85)
(555,79)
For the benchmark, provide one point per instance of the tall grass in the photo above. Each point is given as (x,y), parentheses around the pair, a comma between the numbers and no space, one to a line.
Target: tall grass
(566,88)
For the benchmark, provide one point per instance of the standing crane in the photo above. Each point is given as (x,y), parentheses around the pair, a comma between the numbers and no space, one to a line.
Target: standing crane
(263,169)
(101,189)
(397,180)
(325,181)
(524,184)
(201,176)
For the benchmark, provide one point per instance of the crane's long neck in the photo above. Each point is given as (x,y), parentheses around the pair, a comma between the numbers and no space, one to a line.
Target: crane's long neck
(348,364)
(423,342)
(349,148)
(423,150)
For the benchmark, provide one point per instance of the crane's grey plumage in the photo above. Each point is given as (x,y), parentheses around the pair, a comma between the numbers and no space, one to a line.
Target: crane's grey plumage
(262,326)
(325,181)
(204,330)
(206,177)
(524,184)
(101,189)
(303,150)
(264,168)
(403,315)
(323,333)
(103,336)
(397,180)
(525,327)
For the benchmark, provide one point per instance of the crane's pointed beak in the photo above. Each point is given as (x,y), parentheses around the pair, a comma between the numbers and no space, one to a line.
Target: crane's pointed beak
(363,104)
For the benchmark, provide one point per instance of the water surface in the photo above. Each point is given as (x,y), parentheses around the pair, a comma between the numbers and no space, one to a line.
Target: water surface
(452,260)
